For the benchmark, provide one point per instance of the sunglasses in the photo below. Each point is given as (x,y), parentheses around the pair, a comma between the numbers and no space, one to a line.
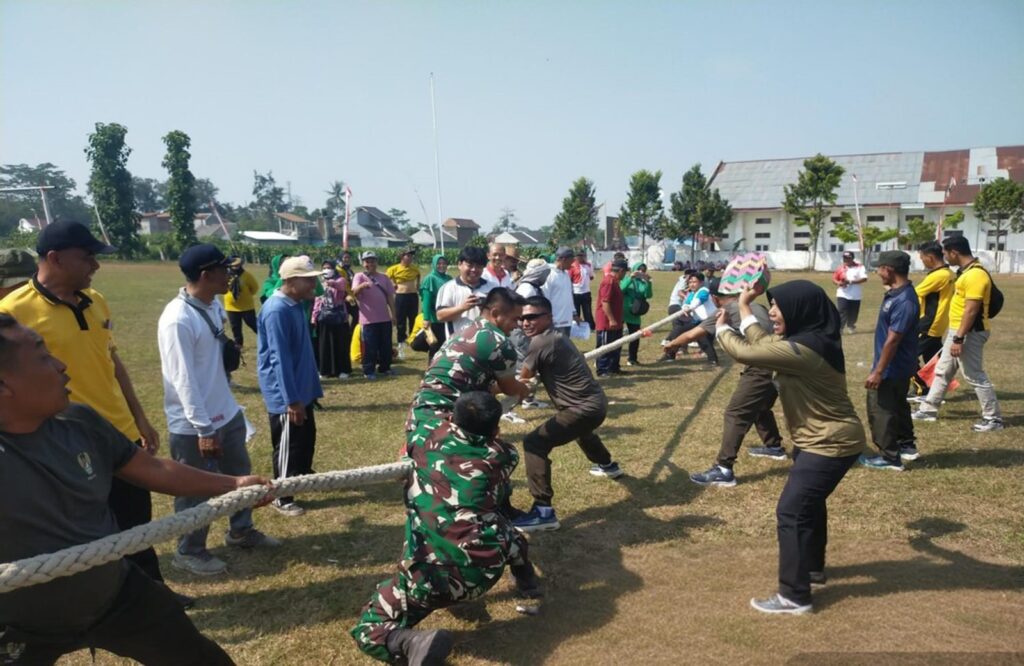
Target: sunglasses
(532,317)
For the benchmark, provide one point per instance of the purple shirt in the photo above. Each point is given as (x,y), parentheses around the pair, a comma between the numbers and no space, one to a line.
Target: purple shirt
(373,301)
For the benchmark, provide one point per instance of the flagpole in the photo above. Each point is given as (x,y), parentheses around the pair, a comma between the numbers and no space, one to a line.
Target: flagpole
(437,164)
(856,209)
(942,210)
(348,212)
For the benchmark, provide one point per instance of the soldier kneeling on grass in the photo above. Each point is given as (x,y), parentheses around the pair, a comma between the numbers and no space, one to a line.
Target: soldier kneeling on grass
(457,542)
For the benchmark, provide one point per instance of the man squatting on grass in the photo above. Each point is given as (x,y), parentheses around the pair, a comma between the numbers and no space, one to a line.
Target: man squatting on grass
(57,462)
(751,403)
(806,354)
(581,404)
(457,541)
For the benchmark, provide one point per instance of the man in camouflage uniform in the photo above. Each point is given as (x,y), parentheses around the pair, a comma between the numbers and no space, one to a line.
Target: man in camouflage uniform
(470,360)
(457,542)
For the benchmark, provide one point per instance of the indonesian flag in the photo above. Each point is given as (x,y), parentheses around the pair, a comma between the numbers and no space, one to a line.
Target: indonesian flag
(348,214)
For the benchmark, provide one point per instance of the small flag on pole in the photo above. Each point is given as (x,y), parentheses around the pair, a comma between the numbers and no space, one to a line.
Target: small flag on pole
(348,212)
(942,211)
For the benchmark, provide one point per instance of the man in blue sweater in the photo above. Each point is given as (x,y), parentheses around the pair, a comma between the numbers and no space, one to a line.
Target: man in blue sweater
(288,374)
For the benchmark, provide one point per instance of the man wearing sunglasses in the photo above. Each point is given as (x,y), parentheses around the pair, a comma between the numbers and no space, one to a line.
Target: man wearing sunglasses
(582,407)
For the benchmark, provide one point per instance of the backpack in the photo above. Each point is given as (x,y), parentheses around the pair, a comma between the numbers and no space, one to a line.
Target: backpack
(331,313)
(639,306)
(995,298)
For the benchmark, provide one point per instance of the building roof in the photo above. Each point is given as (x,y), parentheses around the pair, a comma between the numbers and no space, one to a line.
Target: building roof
(375,212)
(380,225)
(269,236)
(461,223)
(922,177)
(521,237)
(215,230)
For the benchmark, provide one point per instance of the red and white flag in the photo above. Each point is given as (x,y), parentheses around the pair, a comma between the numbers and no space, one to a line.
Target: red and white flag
(942,211)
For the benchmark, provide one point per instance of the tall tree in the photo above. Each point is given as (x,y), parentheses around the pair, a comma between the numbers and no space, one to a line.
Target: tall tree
(148,194)
(1000,204)
(506,221)
(696,210)
(643,212)
(181,195)
(846,231)
(110,186)
(402,221)
(335,199)
(811,197)
(269,197)
(63,202)
(578,219)
(919,231)
(204,190)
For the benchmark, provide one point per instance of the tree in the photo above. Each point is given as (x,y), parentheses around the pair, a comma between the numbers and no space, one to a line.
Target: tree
(402,221)
(478,240)
(335,199)
(63,202)
(696,210)
(204,190)
(919,231)
(269,197)
(110,185)
(506,221)
(578,219)
(181,195)
(810,198)
(846,231)
(148,194)
(1001,204)
(643,212)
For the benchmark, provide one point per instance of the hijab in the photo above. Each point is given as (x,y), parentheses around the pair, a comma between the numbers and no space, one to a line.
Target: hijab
(273,280)
(536,273)
(811,320)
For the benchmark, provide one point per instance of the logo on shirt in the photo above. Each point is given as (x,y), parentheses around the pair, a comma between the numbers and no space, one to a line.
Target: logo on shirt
(86,462)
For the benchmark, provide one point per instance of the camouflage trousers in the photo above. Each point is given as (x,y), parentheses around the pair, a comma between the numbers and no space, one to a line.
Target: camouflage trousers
(418,589)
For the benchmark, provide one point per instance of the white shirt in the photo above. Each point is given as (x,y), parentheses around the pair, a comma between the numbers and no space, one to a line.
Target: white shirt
(455,292)
(675,298)
(197,399)
(586,275)
(558,289)
(853,292)
(489,275)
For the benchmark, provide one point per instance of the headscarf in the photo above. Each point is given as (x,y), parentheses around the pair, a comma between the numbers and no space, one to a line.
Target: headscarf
(429,287)
(273,280)
(536,273)
(811,320)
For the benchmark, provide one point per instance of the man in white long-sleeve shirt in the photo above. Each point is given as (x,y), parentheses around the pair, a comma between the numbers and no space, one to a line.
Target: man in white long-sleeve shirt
(558,290)
(207,427)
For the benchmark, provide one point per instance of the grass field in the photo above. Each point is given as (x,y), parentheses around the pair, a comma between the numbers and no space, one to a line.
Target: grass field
(651,569)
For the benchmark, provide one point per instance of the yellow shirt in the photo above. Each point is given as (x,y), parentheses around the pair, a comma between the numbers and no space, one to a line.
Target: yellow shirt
(82,338)
(973,284)
(934,294)
(404,277)
(247,290)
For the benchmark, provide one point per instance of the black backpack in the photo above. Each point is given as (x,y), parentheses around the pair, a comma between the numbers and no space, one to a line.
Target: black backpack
(995,298)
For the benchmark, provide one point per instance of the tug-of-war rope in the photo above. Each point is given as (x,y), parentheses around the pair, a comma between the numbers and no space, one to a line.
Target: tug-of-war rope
(76,559)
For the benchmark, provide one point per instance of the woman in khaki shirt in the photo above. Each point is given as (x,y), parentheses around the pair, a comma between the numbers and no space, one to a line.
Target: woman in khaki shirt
(806,354)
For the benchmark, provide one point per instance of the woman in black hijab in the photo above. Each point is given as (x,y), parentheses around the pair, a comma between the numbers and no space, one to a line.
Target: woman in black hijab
(806,354)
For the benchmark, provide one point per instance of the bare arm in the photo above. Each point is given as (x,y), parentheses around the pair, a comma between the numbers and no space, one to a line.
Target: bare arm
(166,476)
(150,438)
(509,385)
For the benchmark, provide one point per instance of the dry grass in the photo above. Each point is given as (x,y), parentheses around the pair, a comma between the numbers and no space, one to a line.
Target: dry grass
(652,569)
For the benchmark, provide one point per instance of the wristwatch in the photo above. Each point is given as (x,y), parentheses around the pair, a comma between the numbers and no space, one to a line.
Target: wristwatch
(959,339)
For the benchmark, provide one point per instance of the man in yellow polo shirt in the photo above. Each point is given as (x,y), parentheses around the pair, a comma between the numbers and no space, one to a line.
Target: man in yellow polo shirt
(406,276)
(74,322)
(934,294)
(965,340)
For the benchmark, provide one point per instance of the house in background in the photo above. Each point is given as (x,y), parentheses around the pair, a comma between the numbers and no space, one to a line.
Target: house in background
(520,238)
(267,238)
(428,238)
(302,230)
(372,227)
(462,228)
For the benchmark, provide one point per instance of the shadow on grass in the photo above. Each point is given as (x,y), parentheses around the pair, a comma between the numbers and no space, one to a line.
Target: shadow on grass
(937,569)
(981,458)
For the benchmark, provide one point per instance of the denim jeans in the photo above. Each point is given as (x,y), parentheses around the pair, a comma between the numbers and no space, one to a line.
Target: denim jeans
(234,460)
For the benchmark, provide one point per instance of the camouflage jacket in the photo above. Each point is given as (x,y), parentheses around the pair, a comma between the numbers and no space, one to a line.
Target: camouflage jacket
(468,361)
(452,498)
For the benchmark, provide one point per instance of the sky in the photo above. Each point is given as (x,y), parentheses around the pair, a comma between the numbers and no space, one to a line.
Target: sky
(529,95)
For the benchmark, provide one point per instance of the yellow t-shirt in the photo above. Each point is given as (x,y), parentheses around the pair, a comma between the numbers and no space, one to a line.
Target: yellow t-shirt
(937,288)
(82,338)
(248,288)
(974,284)
(398,274)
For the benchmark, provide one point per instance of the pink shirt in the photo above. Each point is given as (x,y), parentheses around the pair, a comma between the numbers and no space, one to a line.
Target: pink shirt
(373,301)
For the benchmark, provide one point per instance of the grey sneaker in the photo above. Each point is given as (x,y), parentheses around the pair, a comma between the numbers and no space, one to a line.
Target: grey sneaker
(250,539)
(773,452)
(909,452)
(609,471)
(921,415)
(512,417)
(778,604)
(290,509)
(203,564)
(987,425)
(533,403)
(715,476)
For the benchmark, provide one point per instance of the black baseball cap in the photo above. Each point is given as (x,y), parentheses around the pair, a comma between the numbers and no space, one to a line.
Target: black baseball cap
(893,259)
(199,258)
(620,264)
(65,235)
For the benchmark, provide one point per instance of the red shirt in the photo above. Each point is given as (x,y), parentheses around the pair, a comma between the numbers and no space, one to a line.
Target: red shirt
(610,293)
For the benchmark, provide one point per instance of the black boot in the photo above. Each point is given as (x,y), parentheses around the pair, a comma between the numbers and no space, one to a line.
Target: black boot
(421,648)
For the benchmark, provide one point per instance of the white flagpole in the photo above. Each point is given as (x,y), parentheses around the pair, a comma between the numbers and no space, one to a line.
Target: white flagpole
(437,164)
(856,209)
(348,214)
(106,239)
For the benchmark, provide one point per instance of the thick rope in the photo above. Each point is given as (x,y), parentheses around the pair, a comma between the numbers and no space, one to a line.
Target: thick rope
(626,339)
(67,562)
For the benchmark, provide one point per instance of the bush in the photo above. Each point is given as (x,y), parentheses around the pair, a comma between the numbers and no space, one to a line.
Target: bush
(20,239)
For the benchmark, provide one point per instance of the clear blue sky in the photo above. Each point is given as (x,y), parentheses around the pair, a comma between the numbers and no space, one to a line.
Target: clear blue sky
(530,95)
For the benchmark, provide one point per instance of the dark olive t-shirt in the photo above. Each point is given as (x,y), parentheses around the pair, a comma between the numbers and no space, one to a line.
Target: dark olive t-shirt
(565,373)
(54,485)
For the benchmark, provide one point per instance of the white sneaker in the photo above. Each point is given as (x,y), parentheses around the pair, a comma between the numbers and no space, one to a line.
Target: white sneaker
(344,375)
(512,417)
(401,351)
(534,404)
(203,564)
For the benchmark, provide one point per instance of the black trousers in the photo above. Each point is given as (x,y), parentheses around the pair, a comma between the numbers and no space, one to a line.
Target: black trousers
(407,306)
(610,361)
(750,405)
(634,347)
(802,520)
(889,417)
(294,446)
(583,308)
(927,346)
(848,312)
(334,342)
(146,623)
(440,331)
(376,347)
(236,319)
(133,506)
(560,429)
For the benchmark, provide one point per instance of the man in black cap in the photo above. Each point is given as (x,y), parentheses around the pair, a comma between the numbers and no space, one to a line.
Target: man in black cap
(75,323)
(16,268)
(892,427)
(848,280)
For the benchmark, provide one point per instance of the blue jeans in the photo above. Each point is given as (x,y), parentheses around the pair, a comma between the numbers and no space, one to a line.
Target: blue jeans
(234,460)
(376,347)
